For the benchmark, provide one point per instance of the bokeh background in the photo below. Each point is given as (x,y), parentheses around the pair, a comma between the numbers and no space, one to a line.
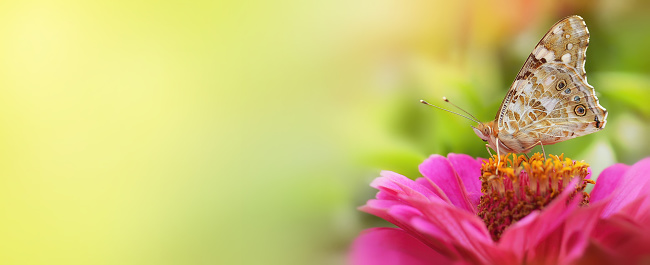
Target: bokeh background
(247,132)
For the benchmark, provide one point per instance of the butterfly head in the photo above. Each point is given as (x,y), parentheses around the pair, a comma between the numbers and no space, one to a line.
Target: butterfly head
(484,131)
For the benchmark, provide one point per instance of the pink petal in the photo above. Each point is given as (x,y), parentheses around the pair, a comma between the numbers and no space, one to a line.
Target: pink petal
(453,231)
(378,246)
(469,171)
(394,185)
(577,231)
(616,240)
(449,218)
(439,170)
(635,184)
(434,188)
(597,255)
(538,236)
(637,211)
(608,181)
(381,208)
(465,239)
(435,237)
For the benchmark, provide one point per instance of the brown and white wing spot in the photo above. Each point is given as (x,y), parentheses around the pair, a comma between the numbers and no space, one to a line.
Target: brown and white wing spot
(573,40)
(571,107)
(553,47)
(550,100)
(568,36)
(540,52)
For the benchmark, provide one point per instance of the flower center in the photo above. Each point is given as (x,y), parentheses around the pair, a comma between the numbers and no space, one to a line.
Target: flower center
(514,186)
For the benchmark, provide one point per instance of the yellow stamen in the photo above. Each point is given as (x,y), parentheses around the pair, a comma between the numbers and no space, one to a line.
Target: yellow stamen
(513,186)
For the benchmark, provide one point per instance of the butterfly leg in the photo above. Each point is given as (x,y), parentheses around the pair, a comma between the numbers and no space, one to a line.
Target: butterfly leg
(498,157)
(540,144)
(487,146)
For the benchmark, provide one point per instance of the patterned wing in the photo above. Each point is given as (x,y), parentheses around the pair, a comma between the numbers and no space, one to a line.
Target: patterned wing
(550,100)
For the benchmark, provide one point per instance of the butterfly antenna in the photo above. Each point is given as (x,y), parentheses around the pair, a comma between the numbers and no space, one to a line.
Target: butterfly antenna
(447,100)
(471,119)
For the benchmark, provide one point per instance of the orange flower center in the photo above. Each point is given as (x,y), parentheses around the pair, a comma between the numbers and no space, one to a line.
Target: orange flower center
(522,185)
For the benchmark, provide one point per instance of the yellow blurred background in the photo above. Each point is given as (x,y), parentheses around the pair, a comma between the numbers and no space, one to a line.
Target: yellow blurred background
(247,132)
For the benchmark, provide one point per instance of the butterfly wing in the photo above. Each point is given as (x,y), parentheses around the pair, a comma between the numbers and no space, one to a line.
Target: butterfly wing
(550,100)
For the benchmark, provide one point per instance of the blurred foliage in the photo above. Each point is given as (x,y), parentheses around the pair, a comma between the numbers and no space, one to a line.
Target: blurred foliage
(247,132)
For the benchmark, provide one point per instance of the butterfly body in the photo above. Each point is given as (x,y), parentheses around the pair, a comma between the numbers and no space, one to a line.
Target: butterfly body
(550,100)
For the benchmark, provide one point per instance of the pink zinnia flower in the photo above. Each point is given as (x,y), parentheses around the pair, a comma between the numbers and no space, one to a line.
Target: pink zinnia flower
(516,211)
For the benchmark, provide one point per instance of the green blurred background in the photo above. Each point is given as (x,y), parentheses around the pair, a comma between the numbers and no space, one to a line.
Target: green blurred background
(247,132)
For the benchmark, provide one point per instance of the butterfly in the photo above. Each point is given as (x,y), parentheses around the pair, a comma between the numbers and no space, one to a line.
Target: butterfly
(550,100)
